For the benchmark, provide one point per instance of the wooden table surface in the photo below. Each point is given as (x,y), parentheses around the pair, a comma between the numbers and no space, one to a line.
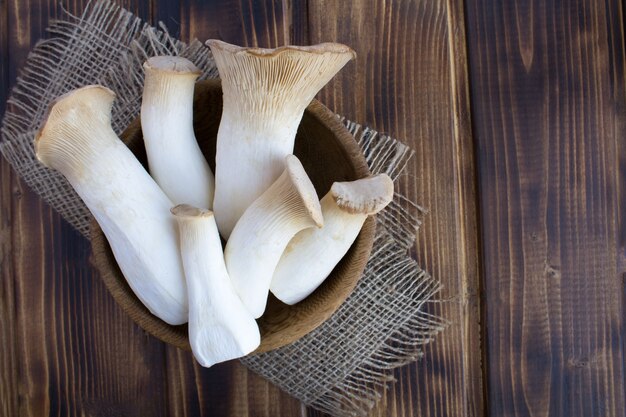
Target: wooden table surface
(517,113)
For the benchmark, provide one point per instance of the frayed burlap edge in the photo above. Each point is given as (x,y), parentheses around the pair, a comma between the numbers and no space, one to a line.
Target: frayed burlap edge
(93,48)
(342,366)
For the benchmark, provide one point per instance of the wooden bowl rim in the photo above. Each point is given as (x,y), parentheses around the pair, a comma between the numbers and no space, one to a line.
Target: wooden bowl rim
(105,264)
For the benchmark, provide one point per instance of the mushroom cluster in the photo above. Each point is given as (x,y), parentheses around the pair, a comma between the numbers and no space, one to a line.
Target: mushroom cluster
(165,227)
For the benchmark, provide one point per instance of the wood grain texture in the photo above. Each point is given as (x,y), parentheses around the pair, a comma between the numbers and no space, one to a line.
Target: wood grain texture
(410,81)
(4,53)
(618,23)
(540,151)
(72,350)
(66,329)
(548,103)
(227,389)
(9,359)
(8,356)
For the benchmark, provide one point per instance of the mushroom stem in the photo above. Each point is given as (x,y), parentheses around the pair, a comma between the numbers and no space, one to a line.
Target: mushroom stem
(220,327)
(265,94)
(77,140)
(175,160)
(313,253)
(262,233)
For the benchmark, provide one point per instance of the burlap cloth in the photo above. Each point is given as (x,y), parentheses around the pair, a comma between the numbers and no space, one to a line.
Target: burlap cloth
(341,367)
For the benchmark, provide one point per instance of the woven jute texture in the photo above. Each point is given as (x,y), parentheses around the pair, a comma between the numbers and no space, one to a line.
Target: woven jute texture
(341,367)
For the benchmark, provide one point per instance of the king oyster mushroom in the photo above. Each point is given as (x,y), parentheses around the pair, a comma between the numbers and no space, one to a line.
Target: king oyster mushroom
(174,157)
(220,327)
(265,94)
(77,140)
(313,253)
(288,206)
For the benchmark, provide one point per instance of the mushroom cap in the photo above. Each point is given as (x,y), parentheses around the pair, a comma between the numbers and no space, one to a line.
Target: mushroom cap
(280,81)
(322,48)
(186,210)
(365,196)
(84,105)
(174,65)
(306,190)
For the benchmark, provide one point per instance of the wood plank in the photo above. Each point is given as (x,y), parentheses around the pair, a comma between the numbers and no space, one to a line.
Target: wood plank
(616,23)
(250,23)
(467,211)
(548,103)
(227,389)
(167,13)
(142,9)
(75,351)
(4,55)
(410,81)
(18,42)
(8,355)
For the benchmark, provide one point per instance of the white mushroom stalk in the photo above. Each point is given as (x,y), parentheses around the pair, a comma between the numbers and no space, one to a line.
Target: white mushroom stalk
(313,253)
(265,94)
(174,157)
(262,233)
(220,327)
(77,140)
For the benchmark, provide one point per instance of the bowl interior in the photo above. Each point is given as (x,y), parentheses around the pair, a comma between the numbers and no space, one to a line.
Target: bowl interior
(328,153)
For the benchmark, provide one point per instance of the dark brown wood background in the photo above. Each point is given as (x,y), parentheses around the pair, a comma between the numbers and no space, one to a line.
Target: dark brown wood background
(517,113)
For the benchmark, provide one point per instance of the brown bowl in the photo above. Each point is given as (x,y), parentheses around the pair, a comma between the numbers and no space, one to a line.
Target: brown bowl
(329,153)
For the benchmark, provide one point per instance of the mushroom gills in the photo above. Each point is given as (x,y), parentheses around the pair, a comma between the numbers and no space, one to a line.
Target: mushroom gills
(265,93)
